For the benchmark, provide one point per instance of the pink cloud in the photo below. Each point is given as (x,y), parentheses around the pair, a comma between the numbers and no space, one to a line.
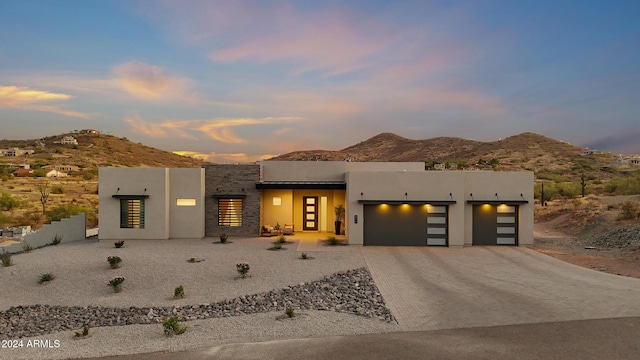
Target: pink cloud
(150,82)
(27,99)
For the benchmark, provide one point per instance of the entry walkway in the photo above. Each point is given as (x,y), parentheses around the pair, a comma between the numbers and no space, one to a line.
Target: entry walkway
(443,288)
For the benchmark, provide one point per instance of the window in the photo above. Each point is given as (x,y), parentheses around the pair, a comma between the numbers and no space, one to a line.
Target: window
(230,212)
(277,201)
(132,213)
(185,202)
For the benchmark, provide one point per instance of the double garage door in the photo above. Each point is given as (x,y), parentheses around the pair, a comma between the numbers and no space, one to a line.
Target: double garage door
(405,225)
(421,225)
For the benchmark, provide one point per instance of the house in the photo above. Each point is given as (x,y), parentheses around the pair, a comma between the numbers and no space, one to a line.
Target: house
(14,151)
(23,171)
(56,174)
(67,140)
(386,203)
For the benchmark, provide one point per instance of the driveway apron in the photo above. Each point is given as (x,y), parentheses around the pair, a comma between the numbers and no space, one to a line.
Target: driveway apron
(430,288)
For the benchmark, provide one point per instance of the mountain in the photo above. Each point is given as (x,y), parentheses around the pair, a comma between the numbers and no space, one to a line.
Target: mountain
(526,151)
(94,150)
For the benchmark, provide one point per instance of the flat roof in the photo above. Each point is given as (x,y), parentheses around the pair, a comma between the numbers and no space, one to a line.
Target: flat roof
(410,202)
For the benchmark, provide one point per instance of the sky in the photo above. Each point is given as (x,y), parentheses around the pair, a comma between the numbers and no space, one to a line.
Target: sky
(238,81)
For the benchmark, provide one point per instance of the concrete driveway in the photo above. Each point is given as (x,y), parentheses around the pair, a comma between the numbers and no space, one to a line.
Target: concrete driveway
(444,288)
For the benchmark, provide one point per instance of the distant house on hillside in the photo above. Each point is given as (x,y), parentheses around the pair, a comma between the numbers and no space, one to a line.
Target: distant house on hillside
(65,168)
(14,151)
(56,173)
(67,140)
(24,170)
(89,131)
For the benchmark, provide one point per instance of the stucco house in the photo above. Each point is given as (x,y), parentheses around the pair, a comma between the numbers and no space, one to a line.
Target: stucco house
(386,203)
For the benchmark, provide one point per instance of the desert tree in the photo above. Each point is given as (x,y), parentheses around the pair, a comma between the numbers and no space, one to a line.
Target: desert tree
(43,189)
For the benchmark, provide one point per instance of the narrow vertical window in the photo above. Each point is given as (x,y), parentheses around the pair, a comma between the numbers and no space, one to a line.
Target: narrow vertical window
(132,213)
(230,212)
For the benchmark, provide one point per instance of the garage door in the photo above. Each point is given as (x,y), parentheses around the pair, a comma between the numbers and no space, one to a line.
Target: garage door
(495,224)
(405,225)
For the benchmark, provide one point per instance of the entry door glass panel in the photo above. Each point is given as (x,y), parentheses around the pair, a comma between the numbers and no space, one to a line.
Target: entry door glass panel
(310,211)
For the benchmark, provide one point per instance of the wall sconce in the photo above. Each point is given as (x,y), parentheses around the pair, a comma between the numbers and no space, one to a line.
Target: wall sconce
(361,195)
(145,190)
(497,198)
(405,196)
(117,190)
(522,196)
(471,196)
(451,196)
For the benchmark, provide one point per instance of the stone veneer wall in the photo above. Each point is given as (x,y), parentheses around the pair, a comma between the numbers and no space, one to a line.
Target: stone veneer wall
(223,179)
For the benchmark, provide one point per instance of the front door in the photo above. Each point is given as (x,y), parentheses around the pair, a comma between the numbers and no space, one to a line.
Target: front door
(310,213)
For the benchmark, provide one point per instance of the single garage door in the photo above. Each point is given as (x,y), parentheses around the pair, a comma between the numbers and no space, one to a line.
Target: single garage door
(495,224)
(405,225)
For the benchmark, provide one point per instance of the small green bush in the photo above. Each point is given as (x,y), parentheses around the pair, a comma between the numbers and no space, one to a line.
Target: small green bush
(5,258)
(290,312)
(304,256)
(46,278)
(333,241)
(277,245)
(119,244)
(243,269)
(114,261)
(58,189)
(172,327)
(282,240)
(223,238)
(178,292)
(85,332)
(116,283)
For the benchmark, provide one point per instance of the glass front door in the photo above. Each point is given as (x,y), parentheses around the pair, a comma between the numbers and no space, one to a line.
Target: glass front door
(310,213)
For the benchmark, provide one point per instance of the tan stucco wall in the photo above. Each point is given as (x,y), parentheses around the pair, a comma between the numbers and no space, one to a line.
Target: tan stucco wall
(282,214)
(438,185)
(186,221)
(327,170)
(163,219)
(133,181)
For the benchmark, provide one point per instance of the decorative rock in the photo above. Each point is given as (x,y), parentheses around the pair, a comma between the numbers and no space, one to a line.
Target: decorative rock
(352,292)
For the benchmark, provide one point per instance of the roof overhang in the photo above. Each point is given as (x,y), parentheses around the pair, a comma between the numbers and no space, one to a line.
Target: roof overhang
(410,202)
(497,202)
(219,196)
(307,185)
(130,197)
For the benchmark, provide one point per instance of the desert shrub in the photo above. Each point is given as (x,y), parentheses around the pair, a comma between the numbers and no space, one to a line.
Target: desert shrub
(5,258)
(223,238)
(67,210)
(57,239)
(58,189)
(282,240)
(116,283)
(333,241)
(290,312)
(118,244)
(628,210)
(26,247)
(9,202)
(178,292)
(304,256)
(243,268)
(46,278)
(85,332)
(114,261)
(5,219)
(171,326)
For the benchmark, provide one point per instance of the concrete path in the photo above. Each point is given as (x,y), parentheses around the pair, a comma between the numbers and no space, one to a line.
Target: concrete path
(585,340)
(443,288)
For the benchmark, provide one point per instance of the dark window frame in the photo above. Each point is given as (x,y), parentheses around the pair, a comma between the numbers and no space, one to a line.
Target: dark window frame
(230,211)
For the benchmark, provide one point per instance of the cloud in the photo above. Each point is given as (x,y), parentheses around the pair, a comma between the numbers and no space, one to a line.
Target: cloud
(150,82)
(220,129)
(24,98)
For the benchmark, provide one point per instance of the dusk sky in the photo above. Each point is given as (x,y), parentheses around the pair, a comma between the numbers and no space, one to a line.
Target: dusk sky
(237,81)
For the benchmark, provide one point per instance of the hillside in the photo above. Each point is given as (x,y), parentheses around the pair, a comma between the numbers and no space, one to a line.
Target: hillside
(527,151)
(92,151)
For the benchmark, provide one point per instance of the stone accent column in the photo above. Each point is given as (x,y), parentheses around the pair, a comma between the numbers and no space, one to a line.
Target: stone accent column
(238,180)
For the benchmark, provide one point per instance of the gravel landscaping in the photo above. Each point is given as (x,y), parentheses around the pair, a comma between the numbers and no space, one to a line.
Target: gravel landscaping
(337,280)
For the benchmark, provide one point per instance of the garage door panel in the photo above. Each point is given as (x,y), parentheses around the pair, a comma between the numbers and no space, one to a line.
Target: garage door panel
(394,225)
